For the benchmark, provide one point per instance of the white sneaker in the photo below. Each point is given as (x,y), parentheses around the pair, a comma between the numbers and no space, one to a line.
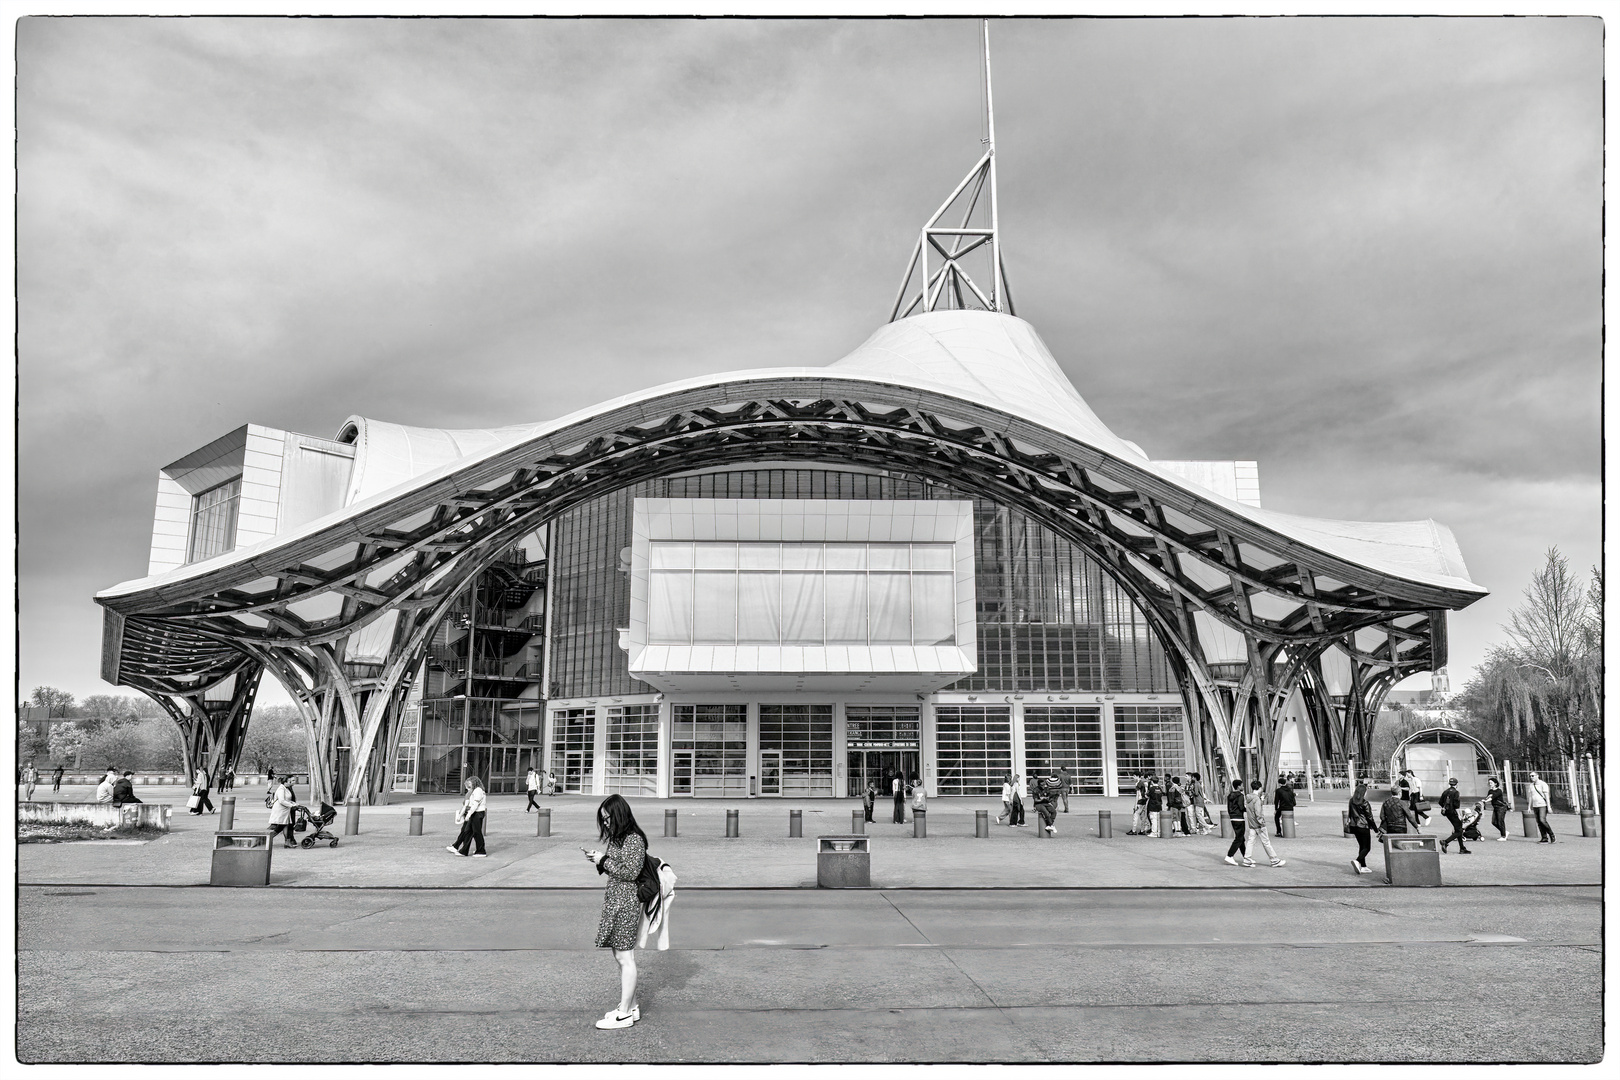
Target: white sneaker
(1501,839)
(1050,831)
(1248,862)
(616,1020)
(451,849)
(635,1013)
(481,855)
(1279,862)
(1229,861)
(1365,870)
(1355,867)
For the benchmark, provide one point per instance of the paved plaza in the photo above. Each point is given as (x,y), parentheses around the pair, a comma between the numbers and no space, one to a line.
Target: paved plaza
(1010,948)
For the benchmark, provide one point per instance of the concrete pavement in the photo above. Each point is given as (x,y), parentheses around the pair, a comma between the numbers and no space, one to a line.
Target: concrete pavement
(355,974)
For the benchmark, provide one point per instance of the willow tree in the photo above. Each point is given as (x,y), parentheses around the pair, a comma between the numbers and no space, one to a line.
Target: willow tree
(1543,687)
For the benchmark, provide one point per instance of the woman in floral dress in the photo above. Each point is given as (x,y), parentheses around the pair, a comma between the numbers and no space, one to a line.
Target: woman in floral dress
(621,908)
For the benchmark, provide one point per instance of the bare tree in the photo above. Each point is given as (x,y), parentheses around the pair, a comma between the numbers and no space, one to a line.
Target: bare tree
(55,702)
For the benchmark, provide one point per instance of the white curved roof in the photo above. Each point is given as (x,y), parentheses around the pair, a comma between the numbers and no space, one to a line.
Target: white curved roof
(985,358)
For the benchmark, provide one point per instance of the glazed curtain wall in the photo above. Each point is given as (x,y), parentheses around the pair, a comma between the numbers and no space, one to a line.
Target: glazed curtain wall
(1048,617)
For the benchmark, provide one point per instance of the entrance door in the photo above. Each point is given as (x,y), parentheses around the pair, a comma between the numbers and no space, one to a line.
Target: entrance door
(770,772)
(573,777)
(881,766)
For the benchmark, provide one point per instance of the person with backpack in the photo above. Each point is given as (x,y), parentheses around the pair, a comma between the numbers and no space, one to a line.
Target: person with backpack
(1285,799)
(1237,814)
(1450,802)
(1359,820)
(624,862)
(1496,798)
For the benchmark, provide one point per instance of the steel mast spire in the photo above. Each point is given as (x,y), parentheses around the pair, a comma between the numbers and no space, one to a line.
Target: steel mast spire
(975,241)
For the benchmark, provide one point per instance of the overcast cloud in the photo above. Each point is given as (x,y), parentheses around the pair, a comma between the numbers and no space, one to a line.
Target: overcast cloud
(1366,252)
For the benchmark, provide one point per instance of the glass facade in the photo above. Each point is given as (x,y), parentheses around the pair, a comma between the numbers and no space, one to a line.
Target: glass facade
(709,751)
(631,766)
(213,521)
(573,748)
(1148,742)
(796,750)
(973,748)
(709,593)
(1066,735)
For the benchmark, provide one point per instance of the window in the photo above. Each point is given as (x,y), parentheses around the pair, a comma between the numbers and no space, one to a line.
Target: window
(795,742)
(213,521)
(724,593)
(573,746)
(1066,735)
(632,750)
(973,748)
(709,748)
(1148,742)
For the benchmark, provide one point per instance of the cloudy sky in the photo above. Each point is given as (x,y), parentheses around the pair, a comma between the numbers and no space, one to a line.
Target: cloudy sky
(1365,252)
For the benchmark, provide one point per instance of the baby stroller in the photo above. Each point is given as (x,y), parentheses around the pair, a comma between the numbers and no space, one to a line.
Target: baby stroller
(303,817)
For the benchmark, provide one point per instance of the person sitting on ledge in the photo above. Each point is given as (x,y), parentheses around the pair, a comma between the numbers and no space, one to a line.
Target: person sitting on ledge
(123,790)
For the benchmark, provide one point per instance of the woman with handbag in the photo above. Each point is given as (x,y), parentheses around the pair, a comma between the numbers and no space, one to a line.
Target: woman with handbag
(620,928)
(1359,820)
(471,819)
(199,797)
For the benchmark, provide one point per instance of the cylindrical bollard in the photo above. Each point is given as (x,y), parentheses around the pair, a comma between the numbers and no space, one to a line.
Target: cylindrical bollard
(351,818)
(1344,822)
(671,824)
(732,828)
(1530,829)
(1287,817)
(857,822)
(1589,824)
(919,823)
(227,813)
(416,821)
(542,821)
(1226,825)
(981,823)
(795,822)
(1105,824)
(1167,824)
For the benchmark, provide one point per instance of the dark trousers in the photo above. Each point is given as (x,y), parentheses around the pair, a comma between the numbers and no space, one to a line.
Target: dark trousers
(1186,822)
(1499,819)
(532,804)
(1417,814)
(1047,812)
(867,804)
(1363,842)
(1017,811)
(472,832)
(1542,825)
(1239,827)
(900,808)
(207,804)
(285,827)
(1456,829)
(1064,795)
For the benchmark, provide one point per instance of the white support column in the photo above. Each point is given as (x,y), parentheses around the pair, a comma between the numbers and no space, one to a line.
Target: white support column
(1016,722)
(1110,751)
(840,750)
(926,743)
(752,755)
(599,752)
(666,728)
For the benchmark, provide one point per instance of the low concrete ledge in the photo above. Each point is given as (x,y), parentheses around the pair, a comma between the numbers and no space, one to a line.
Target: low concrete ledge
(100,815)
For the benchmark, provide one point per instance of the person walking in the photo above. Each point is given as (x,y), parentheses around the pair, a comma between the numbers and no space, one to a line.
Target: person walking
(282,802)
(199,795)
(1540,804)
(1200,809)
(1496,799)
(869,799)
(1450,801)
(270,776)
(1359,820)
(1285,799)
(1063,786)
(620,927)
(1237,814)
(1018,793)
(56,780)
(228,781)
(532,782)
(897,788)
(1006,801)
(30,778)
(1395,814)
(1255,810)
(1417,797)
(471,819)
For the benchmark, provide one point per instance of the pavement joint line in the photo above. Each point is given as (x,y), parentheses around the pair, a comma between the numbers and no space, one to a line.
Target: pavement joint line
(926,940)
(1370,888)
(944,947)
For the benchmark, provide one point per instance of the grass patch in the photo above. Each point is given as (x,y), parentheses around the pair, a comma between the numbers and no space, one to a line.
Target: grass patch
(34,833)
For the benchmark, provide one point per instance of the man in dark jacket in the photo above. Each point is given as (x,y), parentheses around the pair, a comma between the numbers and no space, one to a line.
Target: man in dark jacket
(1237,815)
(1394,815)
(1449,802)
(1285,800)
(1046,801)
(124,790)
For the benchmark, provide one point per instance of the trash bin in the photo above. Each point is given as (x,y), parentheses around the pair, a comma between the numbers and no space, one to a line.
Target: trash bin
(415,827)
(1166,824)
(857,822)
(672,824)
(1226,825)
(795,822)
(919,823)
(1590,826)
(1105,824)
(733,828)
(1411,859)
(1287,817)
(843,862)
(1530,829)
(240,858)
(227,813)
(542,821)
(981,823)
